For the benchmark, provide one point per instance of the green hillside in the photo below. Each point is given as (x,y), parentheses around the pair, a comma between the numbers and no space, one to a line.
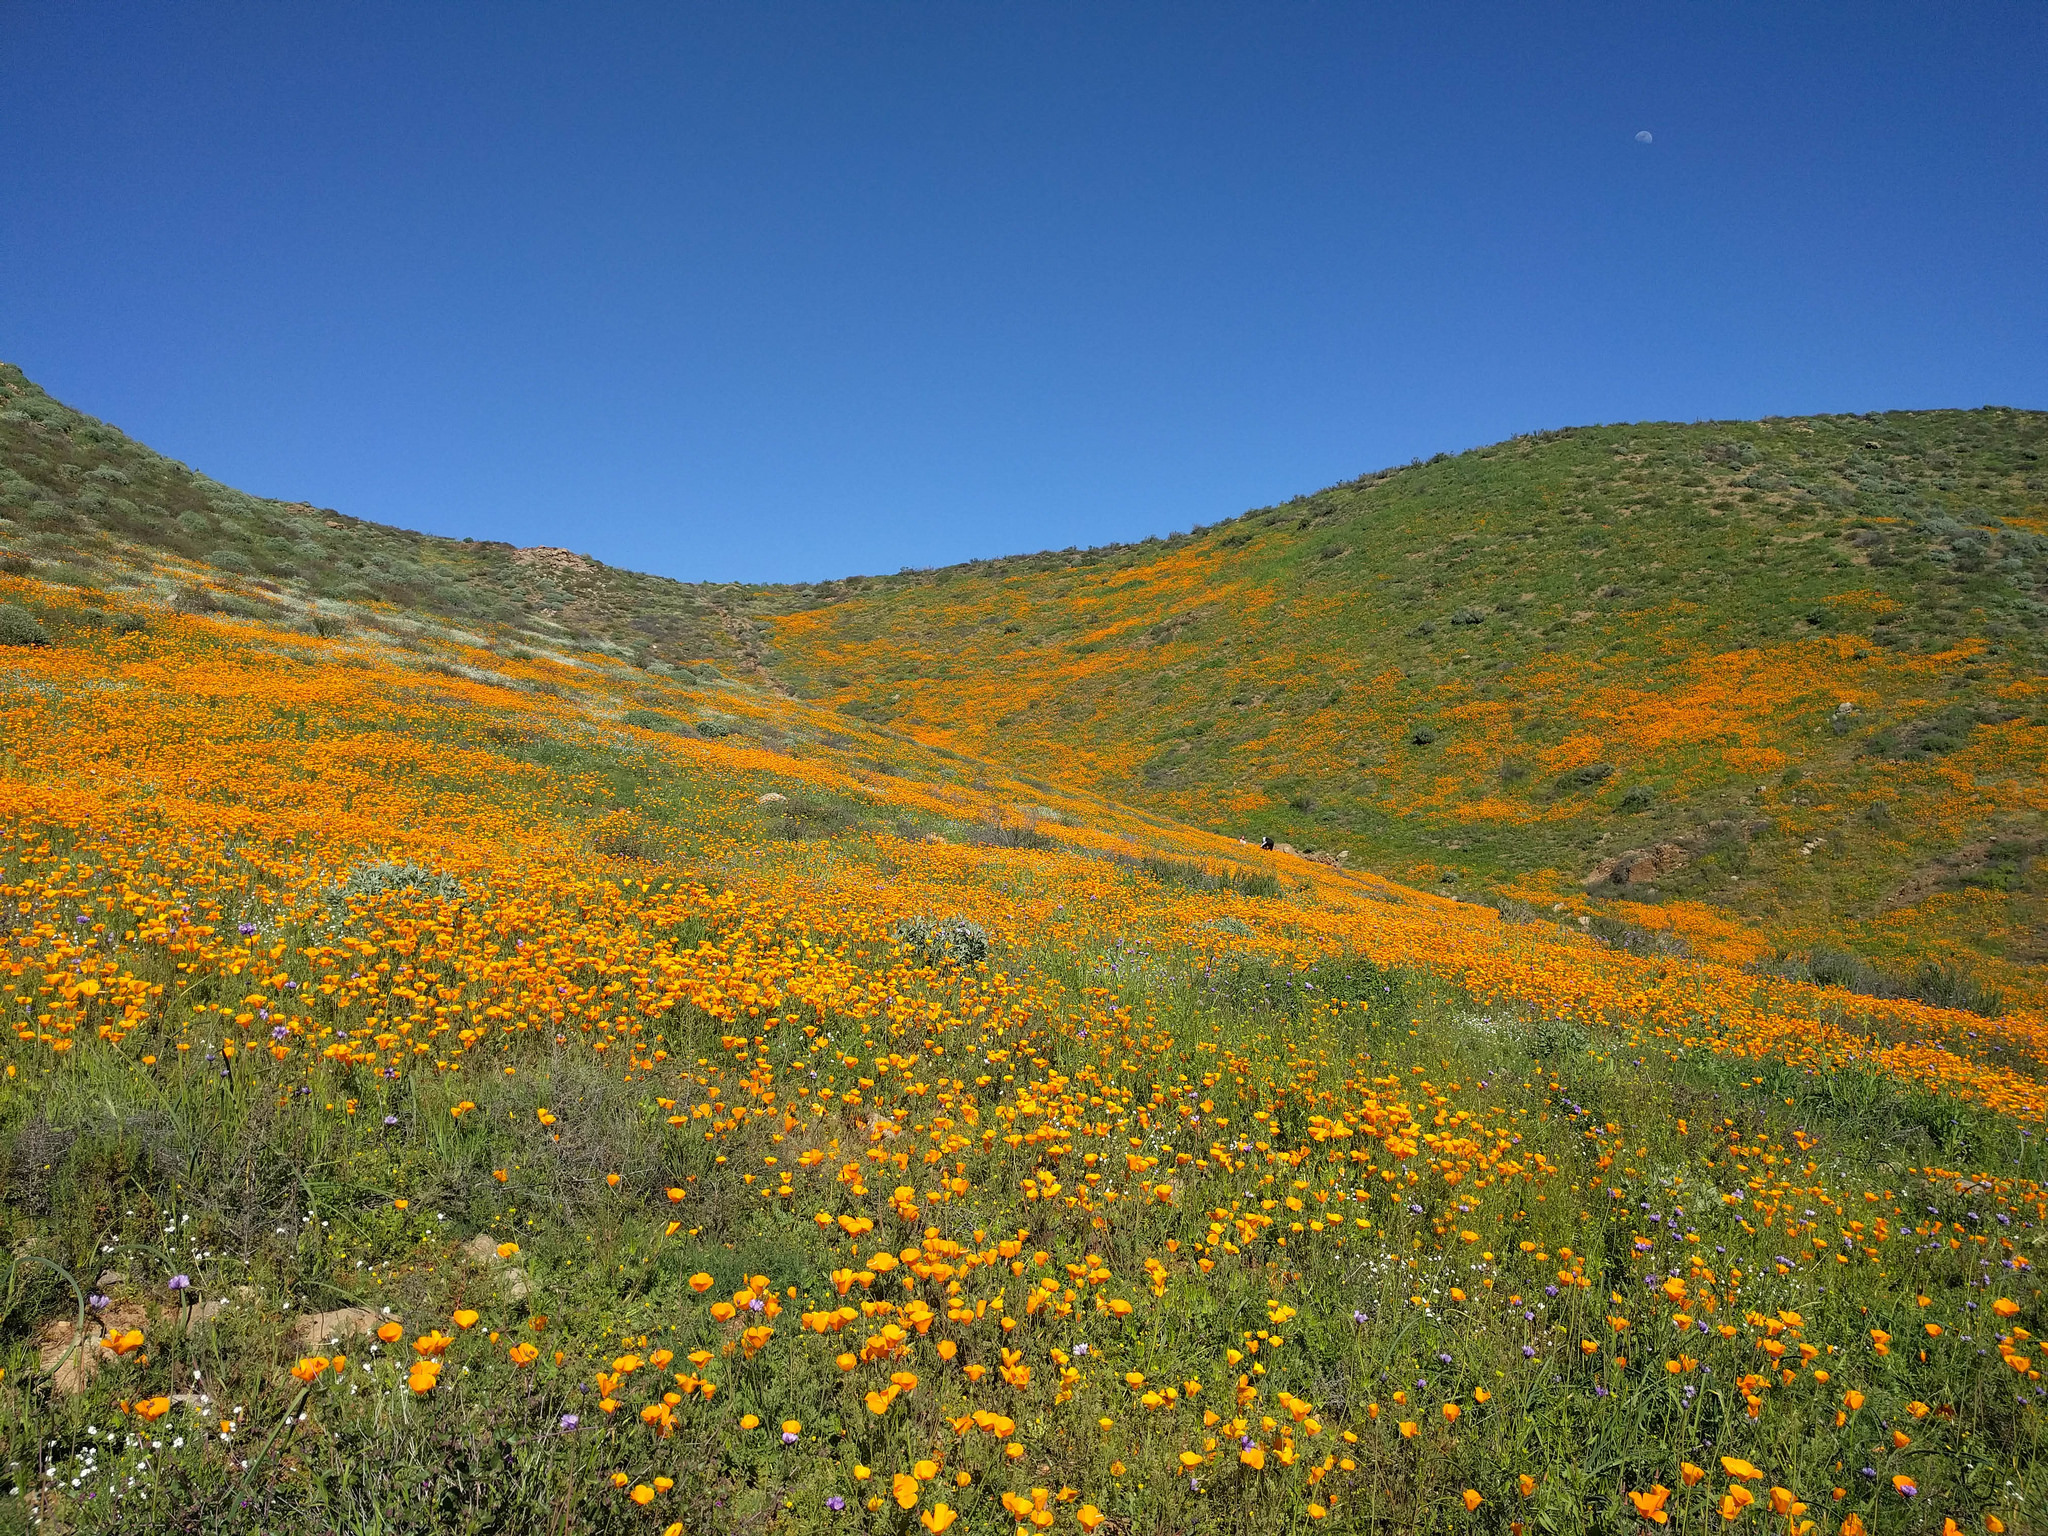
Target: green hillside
(1793,666)
(1756,689)
(72,489)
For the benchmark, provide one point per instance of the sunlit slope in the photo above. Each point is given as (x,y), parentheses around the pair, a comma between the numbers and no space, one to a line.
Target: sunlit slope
(1804,655)
(296,761)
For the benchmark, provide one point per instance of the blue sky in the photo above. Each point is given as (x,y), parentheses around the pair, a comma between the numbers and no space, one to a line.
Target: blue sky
(770,292)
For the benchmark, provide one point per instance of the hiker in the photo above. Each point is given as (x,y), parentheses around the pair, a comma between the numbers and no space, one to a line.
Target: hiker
(1266,842)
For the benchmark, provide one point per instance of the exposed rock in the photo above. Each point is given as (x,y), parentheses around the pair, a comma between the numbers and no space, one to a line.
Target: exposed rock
(544,555)
(330,1327)
(206,1311)
(771,798)
(70,1370)
(1638,866)
(510,1279)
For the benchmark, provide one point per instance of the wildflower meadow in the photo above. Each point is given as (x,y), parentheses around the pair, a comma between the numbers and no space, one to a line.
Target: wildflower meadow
(451,1090)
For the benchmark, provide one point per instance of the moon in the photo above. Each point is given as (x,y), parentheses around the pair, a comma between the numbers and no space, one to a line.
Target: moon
(1643,137)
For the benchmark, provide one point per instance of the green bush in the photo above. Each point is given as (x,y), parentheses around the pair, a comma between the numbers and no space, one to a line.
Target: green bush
(950,940)
(1934,983)
(1583,778)
(653,720)
(19,627)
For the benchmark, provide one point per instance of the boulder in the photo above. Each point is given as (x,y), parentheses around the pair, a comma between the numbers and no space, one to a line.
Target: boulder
(71,1370)
(1638,866)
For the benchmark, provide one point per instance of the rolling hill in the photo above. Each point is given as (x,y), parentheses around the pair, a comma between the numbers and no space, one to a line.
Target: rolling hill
(1771,691)
(477,1063)
(1787,671)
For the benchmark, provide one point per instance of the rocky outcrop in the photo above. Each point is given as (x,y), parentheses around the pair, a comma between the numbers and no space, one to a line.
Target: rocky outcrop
(545,555)
(1638,866)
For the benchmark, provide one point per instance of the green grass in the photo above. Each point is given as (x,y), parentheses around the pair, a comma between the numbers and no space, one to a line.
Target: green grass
(211,1180)
(1201,1041)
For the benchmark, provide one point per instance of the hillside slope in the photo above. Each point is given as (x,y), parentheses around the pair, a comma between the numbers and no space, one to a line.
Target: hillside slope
(1764,686)
(453,1083)
(1794,667)
(73,489)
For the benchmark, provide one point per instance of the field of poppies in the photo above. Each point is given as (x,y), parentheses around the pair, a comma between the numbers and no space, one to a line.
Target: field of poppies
(454,1088)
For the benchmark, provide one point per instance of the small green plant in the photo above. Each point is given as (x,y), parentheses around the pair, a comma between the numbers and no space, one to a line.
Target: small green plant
(384,878)
(1575,779)
(944,941)
(653,720)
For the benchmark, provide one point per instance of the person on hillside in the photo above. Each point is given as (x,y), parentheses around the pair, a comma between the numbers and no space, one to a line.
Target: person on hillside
(1266,842)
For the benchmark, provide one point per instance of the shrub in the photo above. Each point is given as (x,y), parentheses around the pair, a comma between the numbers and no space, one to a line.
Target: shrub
(653,720)
(947,941)
(1950,986)
(1246,882)
(382,877)
(1422,736)
(1583,778)
(1638,798)
(807,816)
(196,600)
(19,627)
(1008,834)
(1934,983)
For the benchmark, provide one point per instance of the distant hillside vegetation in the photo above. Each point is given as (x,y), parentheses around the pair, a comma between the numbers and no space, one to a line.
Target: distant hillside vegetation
(1787,669)
(72,488)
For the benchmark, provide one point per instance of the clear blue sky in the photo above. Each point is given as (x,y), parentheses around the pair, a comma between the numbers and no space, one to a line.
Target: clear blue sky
(789,291)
